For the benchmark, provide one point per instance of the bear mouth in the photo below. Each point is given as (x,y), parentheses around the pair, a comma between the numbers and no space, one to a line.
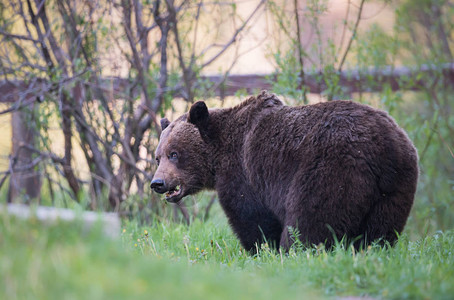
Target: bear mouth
(174,194)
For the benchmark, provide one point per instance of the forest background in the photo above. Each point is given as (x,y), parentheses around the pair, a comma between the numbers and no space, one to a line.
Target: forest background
(83,85)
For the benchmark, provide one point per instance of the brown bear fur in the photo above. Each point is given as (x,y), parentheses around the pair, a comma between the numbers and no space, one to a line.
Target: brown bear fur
(330,170)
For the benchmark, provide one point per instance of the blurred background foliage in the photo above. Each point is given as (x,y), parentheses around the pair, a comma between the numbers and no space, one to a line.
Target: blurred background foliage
(98,76)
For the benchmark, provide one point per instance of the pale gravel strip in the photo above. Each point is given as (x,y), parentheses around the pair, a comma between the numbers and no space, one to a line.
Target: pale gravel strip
(110,222)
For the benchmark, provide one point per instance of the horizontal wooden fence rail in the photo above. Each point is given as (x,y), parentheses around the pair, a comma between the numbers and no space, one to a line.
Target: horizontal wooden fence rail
(350,81)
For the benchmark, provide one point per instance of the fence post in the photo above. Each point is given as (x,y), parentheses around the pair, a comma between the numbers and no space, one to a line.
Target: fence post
(25,178)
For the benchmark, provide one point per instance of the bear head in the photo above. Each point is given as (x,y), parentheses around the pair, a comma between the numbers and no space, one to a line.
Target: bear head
(183,154)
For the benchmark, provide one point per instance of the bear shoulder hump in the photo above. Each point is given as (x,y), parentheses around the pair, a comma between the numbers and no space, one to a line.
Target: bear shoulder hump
(269,100)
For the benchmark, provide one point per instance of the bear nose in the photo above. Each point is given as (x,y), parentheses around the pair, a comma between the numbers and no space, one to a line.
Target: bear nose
(158,186)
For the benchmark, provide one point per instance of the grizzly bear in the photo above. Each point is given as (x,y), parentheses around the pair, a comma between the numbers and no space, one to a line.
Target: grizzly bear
(328,171)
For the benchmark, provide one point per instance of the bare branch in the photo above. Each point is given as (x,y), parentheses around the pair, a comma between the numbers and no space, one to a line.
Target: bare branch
(187,72)
(17,36)
(235,35)
(344,28)
(301,85)
(355,28)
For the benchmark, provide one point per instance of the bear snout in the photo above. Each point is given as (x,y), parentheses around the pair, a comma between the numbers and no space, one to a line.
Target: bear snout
(158,185)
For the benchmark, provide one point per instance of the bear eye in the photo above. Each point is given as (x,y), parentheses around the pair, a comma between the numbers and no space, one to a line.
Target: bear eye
(173,155)
(157,161)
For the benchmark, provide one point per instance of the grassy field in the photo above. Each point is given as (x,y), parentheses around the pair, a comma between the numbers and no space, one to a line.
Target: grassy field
(205,261)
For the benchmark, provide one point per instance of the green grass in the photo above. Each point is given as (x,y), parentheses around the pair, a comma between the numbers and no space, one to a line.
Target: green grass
(205,261)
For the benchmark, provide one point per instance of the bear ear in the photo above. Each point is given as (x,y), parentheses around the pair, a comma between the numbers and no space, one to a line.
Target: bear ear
(164,123)
(199,115)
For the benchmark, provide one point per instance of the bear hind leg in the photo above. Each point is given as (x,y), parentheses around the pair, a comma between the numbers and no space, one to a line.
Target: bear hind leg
(386,220)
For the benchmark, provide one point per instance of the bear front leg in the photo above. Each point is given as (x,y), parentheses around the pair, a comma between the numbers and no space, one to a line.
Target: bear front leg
(251,221)
(255,227)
